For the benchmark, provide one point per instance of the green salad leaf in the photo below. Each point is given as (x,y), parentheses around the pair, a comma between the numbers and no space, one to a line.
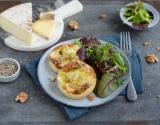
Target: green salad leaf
(108,64)
(137,14)
(77,41)
(102,52)
(116,59)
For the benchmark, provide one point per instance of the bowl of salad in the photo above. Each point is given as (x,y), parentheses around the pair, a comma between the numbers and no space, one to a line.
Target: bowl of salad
(139,15)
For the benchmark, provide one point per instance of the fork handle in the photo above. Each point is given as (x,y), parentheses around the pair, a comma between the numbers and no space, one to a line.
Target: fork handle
(131,92)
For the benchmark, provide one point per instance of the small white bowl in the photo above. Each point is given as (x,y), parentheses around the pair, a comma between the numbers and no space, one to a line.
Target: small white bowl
(148,7)
(13,76)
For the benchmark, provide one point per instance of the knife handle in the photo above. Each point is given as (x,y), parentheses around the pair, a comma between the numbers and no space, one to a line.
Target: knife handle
(131,92)
(69,9)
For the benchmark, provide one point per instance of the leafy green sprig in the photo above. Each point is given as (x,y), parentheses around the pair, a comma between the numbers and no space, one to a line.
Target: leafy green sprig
(137,14)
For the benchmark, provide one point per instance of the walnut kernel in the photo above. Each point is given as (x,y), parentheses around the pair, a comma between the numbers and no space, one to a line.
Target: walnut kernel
(90,97)
(146,43)
(158,48)
(73,25)
(22,97)
(103,16)
(151,58)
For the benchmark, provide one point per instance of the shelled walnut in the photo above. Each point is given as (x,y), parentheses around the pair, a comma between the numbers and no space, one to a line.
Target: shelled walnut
(146,43)
(158,48)
(151,58)
(91,97)
(103,16)
(73,25)
(22,97)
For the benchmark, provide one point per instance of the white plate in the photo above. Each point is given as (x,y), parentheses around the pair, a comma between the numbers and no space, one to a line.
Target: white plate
(39,43)
(71,8)
(45,73)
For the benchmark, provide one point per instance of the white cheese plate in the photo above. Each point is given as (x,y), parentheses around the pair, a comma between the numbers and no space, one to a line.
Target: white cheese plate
(39,43)
(45,73)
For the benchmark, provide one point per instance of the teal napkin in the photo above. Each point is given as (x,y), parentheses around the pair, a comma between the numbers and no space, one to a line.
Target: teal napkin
(72,113)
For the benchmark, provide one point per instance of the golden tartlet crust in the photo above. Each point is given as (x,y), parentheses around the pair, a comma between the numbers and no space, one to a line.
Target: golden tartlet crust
(84,87)
(62,55)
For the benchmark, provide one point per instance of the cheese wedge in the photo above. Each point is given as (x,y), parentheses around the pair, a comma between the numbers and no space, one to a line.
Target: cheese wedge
(45,26)
(18,21)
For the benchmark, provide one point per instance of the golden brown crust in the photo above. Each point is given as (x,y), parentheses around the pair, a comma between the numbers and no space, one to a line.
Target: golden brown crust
(77,96)
(84,89)
(53,67)
(70,66)
(57,62)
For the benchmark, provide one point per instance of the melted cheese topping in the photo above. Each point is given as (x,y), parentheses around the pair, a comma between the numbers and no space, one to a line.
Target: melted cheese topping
(76,80)
(63,55)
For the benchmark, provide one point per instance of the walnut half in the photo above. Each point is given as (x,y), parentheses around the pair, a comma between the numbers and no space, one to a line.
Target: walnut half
(151,58)
(22,97)
(90,97)
(146,43)
(73,25)
(158,48)
(102,16)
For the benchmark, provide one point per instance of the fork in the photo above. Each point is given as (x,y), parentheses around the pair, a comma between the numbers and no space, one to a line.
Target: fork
(125,45)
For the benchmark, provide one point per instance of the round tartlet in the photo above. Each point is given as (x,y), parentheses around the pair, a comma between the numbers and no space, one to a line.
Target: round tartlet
(62,55)
(76,80)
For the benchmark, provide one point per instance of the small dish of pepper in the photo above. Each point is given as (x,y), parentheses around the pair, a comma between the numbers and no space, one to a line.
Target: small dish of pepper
(9,69)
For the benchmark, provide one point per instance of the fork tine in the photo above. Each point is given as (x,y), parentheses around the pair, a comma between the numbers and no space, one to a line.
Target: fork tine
(129,40)
(127,44)
(121,39)
(126,41)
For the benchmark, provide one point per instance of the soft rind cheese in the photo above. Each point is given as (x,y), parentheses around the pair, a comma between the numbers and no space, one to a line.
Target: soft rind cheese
(44,28)
(18,21)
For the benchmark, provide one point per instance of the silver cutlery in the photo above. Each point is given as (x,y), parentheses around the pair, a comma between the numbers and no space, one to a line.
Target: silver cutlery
(125,45)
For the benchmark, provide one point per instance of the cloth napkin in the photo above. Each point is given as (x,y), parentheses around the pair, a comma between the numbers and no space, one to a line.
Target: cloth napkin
(72,113)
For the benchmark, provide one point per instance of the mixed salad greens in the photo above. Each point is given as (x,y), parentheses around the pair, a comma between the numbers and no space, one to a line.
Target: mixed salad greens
(137,14)
(107,63)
